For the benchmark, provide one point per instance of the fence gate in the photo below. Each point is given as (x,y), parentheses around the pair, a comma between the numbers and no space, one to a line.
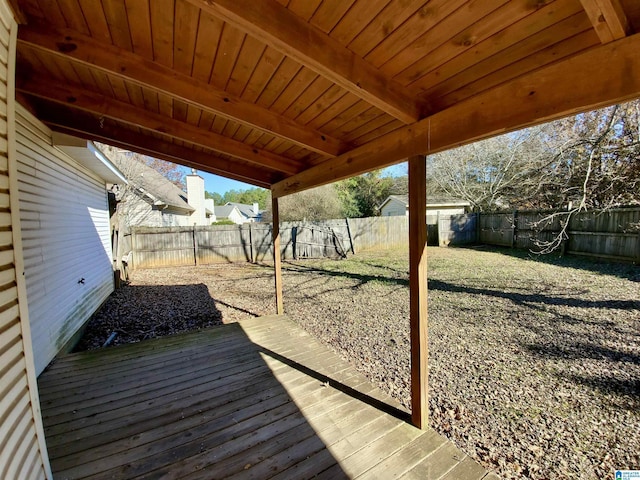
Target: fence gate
(457,229)
(313,241)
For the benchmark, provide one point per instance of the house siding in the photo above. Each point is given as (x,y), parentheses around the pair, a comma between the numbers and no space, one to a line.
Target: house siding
(139,213)
(394,207)
(236,217)
(66,239)
(23,452)
(446,211)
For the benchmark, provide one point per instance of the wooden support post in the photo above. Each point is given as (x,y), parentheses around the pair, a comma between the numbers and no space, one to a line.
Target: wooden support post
(277,262)
(418,291)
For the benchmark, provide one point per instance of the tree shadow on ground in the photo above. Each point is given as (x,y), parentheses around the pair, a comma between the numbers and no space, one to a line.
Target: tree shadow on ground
(611,385)
(535,298)
(564,334)
(359,277)
(584,350)
(527,299)
(627,271)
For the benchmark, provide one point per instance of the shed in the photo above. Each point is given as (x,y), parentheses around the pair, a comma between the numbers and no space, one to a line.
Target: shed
(287,96)
(399,205)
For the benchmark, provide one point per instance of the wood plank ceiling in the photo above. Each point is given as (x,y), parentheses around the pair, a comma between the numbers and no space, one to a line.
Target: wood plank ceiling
(290,94)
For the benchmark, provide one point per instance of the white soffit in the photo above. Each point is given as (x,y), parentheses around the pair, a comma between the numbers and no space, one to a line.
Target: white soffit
(87,154)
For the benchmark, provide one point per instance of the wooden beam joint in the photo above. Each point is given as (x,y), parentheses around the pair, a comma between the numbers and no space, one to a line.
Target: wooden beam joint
(608,19)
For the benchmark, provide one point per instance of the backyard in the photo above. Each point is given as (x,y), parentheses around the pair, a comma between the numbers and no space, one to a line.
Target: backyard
(534,363)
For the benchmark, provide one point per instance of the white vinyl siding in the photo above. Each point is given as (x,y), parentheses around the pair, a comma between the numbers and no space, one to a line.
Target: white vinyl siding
(140,213)
(22,447)
(66,239)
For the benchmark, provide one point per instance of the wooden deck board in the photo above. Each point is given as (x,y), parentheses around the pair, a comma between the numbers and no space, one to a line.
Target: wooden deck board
(259,399)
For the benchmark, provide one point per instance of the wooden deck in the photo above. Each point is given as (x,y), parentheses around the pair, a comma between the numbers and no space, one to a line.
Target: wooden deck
(259,399)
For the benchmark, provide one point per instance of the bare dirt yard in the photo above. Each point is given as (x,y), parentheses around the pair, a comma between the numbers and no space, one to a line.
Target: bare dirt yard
(534,363)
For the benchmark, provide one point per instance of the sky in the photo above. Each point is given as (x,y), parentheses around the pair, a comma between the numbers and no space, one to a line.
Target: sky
(217,184)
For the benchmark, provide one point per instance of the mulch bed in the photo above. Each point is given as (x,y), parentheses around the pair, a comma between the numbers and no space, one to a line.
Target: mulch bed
(534,363)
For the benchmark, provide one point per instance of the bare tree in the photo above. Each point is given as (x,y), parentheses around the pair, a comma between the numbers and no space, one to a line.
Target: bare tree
(319,203)
(491,173)
(587,162)
(595,166)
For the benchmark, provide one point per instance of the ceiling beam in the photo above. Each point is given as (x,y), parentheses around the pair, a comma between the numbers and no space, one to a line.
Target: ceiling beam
(135,68)
(608,19)
(64,120)
(78,98)
(278,27)
(596,78)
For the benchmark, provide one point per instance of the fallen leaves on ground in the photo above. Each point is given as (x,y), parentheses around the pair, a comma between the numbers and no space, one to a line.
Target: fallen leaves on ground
(534,362)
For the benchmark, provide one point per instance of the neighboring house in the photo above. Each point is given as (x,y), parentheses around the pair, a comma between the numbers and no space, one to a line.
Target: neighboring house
(399,205)
(239,212)
(149,200)
(66,234)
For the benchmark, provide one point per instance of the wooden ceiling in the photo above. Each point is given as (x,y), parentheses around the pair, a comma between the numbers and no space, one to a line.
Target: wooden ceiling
(290,94)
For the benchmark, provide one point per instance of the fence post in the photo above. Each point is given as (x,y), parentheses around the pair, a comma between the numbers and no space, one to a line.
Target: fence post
(195,246)
(251,254)
(514,228)
(353,249)
(133,259)
(294,242)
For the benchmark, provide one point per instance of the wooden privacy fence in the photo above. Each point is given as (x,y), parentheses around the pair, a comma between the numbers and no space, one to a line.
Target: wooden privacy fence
(612,235)
(172,246)
(251,242)
(315,241)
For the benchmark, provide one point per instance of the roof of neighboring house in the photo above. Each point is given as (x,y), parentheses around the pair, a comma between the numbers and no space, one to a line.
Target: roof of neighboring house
(431,201)
(223,211)
(152,184)
(246,210)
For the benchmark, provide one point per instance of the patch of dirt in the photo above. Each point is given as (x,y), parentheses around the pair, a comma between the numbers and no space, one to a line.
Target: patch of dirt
(534,364)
